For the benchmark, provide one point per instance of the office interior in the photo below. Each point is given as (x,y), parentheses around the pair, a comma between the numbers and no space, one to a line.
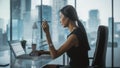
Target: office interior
(18,17)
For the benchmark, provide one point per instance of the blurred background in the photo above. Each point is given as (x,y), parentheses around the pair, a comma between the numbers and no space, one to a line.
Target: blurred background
(18,16)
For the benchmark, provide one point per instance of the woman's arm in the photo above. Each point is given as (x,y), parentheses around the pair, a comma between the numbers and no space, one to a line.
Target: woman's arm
(43,52)
(39,52)
(72,39)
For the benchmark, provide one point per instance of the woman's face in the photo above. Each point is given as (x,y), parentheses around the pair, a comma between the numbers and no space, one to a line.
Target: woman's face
(63,20)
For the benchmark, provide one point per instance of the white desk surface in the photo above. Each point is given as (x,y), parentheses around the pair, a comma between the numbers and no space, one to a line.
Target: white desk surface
(24,63)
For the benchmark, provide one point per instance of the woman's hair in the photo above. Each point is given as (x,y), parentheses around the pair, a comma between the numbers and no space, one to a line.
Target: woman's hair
(70,12)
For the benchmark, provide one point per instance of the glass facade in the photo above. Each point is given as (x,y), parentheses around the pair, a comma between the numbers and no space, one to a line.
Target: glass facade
(116,33)
(92,13)
(4,21)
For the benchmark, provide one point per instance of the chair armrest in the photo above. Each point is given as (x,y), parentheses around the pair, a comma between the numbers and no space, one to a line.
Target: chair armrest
(90,58)
(93,66)
(3,65)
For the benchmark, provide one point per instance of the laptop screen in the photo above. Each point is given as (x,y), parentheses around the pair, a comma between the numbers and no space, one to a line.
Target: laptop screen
(17,48)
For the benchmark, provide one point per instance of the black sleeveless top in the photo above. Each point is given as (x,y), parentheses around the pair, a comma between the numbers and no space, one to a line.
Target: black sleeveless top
(79,54)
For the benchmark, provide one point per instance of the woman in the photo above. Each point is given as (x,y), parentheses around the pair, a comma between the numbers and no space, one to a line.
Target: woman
(76,44)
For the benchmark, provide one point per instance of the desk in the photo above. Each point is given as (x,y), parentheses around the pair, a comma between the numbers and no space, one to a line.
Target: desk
(39,63)
(29,63)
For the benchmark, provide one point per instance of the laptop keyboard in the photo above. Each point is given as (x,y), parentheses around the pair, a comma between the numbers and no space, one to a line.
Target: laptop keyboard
(26,56)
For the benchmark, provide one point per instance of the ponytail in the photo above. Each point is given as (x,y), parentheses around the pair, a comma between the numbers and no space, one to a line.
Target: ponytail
(80,25)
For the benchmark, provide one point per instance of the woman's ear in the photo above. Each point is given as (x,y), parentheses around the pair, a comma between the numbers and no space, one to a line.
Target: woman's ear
(66,19)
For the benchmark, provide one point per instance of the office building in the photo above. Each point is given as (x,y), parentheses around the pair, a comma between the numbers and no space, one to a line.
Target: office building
(5,38)
(117,28)
(19,7)
(17,29)
(1,23)
(47,15)
(26,19)
(93,21)
(56,6)
(16,9)
(1,32)
(110,28)
(28,5)
(25,9)
(117,32)
(1,37)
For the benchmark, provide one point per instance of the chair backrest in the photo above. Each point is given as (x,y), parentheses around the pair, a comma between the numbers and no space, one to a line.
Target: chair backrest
(99,58)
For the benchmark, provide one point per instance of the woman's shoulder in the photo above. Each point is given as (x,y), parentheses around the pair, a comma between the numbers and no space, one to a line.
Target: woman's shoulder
(75,31)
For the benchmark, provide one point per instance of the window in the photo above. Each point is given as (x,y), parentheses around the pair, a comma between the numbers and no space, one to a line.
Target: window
(4,21)
(116,32)
(92,13)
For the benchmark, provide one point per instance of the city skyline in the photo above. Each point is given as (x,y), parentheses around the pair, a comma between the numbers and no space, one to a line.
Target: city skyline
(84,7)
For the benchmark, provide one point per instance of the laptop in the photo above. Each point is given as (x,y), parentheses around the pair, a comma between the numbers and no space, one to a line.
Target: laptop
(19,52)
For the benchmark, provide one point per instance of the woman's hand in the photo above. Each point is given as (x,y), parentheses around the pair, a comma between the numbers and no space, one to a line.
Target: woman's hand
(45,27)
(36,53)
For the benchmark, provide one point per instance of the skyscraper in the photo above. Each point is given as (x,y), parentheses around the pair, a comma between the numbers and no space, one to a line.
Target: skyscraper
(117,27)
(56,6)
(26,19)
(17,29)
(117,32)
(20,14)
(25,8)
(28,5)
(5,39)
(46,14)
(93,21)
(110,28)
(1,37)
(16,7)
(1,23)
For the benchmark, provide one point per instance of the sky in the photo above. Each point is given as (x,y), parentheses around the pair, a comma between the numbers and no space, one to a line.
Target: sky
(5,9)
(83,8)
(104,7)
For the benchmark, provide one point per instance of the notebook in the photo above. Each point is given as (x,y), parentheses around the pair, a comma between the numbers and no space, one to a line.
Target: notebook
(19,52)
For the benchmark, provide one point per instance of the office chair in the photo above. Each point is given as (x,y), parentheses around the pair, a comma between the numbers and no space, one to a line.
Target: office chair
(4,65)
(99,58)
